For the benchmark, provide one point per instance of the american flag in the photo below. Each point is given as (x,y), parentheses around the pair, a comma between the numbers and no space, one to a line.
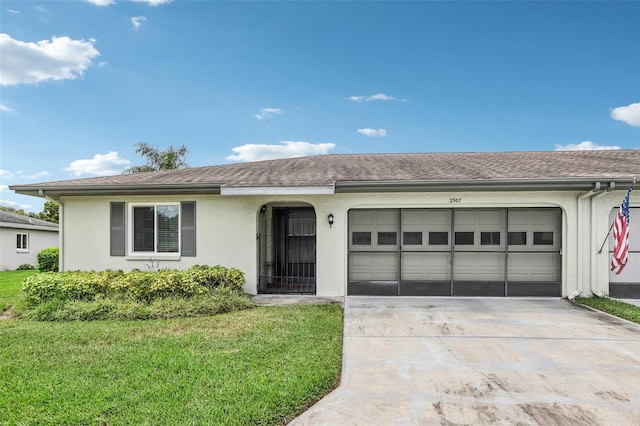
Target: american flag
(621,236)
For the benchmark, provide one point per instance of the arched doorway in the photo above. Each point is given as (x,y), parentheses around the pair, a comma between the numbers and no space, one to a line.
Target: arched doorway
(287,249)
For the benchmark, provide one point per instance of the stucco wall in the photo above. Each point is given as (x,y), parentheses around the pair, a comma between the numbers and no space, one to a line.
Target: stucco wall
(227,230)
(11,258)
(226,234)
(601,221)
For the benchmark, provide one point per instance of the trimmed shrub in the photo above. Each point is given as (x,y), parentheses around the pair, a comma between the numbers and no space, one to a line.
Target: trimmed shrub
(141,286)
(48,259)
(217,276)
(25,267)
(127,309)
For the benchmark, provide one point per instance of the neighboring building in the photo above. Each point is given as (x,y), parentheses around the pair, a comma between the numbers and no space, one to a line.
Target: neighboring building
(22,238)
(491,224)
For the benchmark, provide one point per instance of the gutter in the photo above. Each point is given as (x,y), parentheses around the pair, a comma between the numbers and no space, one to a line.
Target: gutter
(55,191)
(470,185)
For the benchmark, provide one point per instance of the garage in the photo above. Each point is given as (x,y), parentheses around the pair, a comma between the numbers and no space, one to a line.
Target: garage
(627,284)
(455,252)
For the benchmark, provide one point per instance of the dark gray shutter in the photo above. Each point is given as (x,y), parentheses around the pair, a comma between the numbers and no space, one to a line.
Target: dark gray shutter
(188,228)
(117,229)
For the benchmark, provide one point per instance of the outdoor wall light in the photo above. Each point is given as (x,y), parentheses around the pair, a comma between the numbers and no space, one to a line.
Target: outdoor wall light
(330,218)
(263,209)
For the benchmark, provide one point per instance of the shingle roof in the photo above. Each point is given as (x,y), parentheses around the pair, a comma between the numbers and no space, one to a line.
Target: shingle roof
(334,169)
(9,217)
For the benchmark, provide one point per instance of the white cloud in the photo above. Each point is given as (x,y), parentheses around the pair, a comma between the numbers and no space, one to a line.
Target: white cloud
(137,21)
(5,108)
(59,59)
(102,2)
(4,188)
(148,2)
(153,2)
(268,113)
(38,175)
(41,9)
(99,165)
(585,146)
(5,174)
(15,205)
(286,149)
(630,114)
(380,133)
(376,97)
(8,203)
(13,11)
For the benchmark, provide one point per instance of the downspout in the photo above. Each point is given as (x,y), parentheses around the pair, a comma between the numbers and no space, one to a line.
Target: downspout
(597,189)
(611,187)
(44,195)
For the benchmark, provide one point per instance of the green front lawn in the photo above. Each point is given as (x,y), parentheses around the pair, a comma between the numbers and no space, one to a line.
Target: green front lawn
(260,366)
(613,306)
(10,286)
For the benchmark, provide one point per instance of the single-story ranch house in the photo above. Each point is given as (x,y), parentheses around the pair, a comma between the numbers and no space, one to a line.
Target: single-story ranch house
(22,238)
(445,224)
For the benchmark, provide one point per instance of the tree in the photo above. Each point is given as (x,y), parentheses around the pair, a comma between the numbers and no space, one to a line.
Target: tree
(50,212)
(171,158)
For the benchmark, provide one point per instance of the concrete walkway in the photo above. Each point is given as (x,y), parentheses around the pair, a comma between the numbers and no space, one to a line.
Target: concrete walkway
(482,361)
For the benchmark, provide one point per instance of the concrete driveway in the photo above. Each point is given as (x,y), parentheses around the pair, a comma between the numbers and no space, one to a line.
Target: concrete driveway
(480,361)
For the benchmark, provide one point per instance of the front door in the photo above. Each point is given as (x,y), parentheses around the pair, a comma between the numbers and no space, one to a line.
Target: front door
(290,258)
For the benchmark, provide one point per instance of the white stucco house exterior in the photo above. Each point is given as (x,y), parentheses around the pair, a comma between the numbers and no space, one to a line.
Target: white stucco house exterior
(447,224)
(22,238)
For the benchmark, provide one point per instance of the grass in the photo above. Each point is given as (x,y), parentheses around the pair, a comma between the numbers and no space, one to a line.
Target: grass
(10,286)
(261,366)
(613,306)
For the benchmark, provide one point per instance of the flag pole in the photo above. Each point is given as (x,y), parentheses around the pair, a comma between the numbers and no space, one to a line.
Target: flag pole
(633,182)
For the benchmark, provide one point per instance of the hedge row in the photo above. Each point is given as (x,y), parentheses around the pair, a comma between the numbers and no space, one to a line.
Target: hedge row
(138,285)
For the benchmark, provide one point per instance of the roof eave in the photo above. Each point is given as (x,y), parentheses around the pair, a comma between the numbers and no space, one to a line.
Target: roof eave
(31,226)
(483,185)
(56,191)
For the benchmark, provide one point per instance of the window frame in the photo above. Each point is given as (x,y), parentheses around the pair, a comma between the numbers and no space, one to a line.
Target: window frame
(24,238)
(131,228)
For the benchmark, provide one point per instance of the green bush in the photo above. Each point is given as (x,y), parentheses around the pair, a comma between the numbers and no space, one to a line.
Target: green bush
(143,286)
(217,276)
(25,267)
(215,302)
(48,259)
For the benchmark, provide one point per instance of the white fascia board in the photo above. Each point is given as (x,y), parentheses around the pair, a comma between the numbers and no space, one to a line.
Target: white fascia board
(278,190)
(28,226)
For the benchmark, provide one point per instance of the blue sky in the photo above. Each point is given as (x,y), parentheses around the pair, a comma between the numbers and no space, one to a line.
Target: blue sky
(81,82)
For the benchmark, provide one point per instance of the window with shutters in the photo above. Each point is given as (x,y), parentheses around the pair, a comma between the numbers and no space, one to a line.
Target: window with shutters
(154,229)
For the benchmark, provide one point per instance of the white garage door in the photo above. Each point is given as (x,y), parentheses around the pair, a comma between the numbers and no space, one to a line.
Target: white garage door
(489,252)
(627,284)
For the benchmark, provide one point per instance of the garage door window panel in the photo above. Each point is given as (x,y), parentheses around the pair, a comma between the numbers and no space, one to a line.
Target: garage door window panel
(543,238)
(387,238)
(466,238)
(517,239)
(490,238)
(412,238)
(361,238)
